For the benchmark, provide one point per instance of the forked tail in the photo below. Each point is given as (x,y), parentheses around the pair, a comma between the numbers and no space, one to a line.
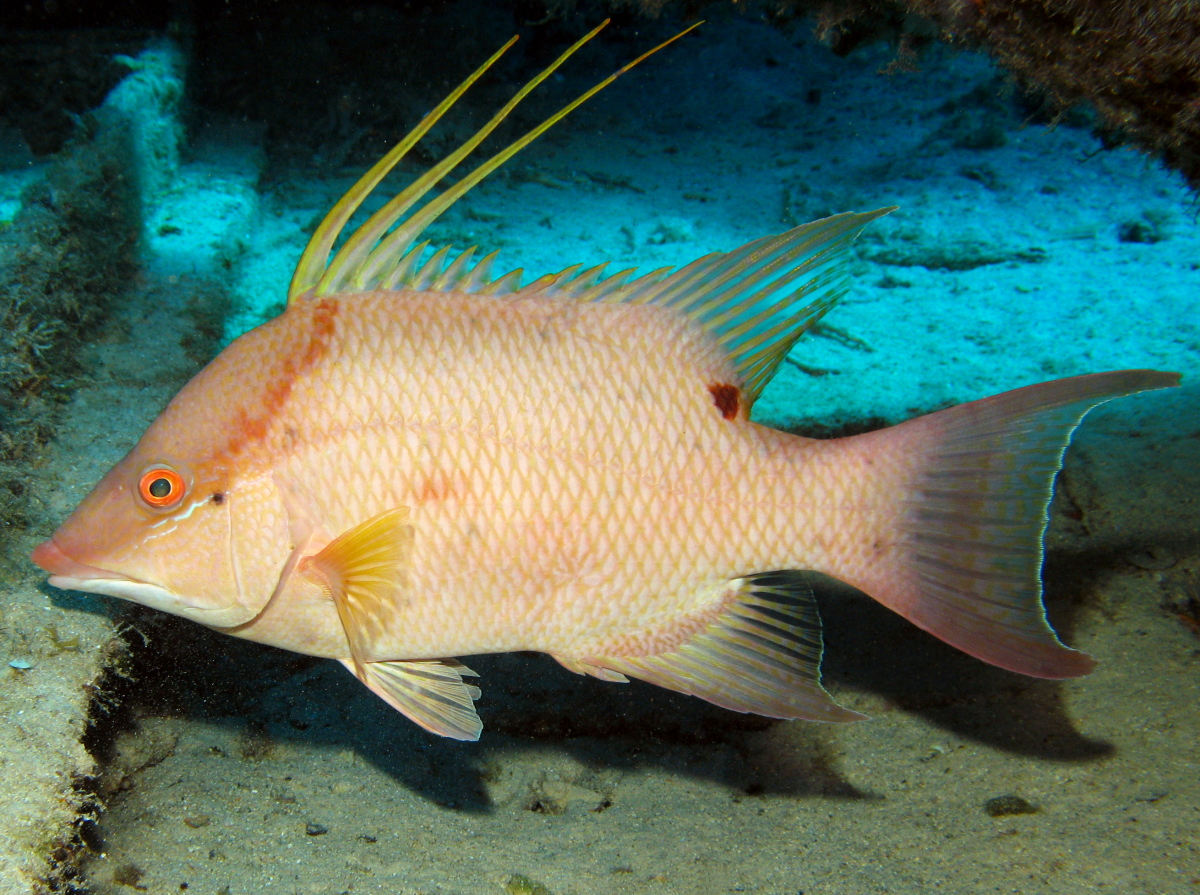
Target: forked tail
(966,560)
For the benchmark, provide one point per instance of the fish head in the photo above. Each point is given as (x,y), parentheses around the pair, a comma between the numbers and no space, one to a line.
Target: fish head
(180,524)
(153,531)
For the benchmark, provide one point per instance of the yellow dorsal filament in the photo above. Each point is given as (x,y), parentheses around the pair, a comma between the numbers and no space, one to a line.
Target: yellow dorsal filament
(312,263)
(368,256)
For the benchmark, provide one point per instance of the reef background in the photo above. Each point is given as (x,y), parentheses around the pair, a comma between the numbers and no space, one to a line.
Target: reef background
(160,170)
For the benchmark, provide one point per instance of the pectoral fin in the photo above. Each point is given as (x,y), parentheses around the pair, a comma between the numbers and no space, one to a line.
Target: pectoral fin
(761,655)
(430,693)
(365,571)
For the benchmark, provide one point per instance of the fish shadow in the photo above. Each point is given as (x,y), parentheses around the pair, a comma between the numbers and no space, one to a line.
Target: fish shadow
(871,649)
(532,707)
(261,697)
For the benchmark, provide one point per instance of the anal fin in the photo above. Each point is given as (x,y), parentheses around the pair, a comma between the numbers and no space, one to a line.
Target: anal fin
(581,666)
(430,693)
(761,655)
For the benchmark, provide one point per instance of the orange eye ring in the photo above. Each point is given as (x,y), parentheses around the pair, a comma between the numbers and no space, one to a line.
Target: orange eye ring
(161,487)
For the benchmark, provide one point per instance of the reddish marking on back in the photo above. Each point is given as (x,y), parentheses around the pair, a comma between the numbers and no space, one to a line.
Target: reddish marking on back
(725,396)
(249,427)
(434,488)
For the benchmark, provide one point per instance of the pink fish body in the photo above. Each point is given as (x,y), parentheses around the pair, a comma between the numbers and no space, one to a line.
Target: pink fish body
(417,461)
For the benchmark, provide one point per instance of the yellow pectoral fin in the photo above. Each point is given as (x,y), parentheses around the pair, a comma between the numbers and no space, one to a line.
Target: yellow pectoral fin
(431,693)
(366,572)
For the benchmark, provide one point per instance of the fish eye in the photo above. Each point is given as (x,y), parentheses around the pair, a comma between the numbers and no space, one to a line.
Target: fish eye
(161,487)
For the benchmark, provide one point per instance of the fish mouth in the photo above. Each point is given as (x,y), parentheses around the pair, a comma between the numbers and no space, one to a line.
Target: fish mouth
(67,574)
(49,556)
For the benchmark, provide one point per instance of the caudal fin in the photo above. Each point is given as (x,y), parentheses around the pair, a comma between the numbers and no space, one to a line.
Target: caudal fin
(968,558)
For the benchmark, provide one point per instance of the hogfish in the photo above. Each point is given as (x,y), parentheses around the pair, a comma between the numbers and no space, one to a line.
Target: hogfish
(419,461)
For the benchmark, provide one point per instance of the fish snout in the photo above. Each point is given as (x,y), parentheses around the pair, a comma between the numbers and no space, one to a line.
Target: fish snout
(49,556)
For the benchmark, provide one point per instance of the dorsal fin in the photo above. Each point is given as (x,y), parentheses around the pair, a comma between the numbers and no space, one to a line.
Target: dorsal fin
(370,256)
(747,299)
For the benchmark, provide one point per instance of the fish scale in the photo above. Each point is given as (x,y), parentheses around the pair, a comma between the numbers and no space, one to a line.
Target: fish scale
(625,483)
(417,461)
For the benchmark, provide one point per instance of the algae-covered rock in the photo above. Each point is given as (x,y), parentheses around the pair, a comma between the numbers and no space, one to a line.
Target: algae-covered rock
(70,249)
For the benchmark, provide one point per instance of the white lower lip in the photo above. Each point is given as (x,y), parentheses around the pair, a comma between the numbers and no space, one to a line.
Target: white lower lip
(156,598)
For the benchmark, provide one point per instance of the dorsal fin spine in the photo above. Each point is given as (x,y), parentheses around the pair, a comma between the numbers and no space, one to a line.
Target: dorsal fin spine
(510,282)
(640,291)
(400,275)
(312,263)
(368,258)
(563,278)
(481,274)
(591,276)
(454,272)
(540,284)
(364,258)
(431,211)
(431,269)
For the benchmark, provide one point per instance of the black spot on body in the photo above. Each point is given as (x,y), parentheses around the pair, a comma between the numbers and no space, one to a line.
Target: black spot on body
(725,397)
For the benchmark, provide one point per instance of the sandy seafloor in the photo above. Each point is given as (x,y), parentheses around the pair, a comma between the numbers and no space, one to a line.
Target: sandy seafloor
(250,770)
